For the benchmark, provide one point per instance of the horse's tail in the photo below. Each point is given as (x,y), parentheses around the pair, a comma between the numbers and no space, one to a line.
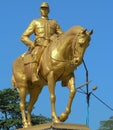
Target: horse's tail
(13,82)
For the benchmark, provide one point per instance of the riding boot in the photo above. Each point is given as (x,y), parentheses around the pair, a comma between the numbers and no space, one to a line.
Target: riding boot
(35,77)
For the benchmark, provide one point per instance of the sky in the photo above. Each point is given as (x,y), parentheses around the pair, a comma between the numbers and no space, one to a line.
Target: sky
(15,16)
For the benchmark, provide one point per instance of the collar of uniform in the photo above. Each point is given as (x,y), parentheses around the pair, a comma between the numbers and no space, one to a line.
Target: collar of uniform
(46,18)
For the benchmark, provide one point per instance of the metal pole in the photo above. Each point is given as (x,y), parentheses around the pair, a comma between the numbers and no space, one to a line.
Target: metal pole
(87,94)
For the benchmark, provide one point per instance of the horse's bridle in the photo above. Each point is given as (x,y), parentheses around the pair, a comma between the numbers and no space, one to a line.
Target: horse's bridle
(70,60)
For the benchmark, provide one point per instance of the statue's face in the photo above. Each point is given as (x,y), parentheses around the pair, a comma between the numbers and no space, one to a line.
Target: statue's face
(44,11)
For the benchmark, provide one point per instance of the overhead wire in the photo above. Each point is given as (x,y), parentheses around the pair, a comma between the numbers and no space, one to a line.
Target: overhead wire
(102,102)
(83,92)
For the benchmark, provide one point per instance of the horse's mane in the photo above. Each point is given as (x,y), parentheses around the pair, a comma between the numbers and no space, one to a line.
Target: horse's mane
(73,31)
(65,39)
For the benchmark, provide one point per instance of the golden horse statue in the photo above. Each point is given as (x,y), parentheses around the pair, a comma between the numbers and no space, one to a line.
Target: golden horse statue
(57,63)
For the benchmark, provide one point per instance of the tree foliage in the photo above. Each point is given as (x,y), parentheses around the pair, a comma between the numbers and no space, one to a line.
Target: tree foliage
(10,115)
(107,125)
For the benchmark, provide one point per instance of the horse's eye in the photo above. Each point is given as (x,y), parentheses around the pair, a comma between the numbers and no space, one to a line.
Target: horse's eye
(81,41)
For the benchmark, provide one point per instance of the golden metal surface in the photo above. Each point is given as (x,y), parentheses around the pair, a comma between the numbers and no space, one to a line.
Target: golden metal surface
(57,126)
(53,56)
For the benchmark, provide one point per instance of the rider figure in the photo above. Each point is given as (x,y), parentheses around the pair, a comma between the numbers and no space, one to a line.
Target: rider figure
(45,31)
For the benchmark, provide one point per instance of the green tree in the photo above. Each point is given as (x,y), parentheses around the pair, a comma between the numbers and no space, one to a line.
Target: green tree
(10,115)
(106,125)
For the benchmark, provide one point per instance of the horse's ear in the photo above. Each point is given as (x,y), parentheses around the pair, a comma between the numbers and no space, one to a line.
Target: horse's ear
(91,32)
(84,31)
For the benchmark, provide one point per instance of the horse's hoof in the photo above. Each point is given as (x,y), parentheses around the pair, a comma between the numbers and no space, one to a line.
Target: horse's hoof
(25,125)
(56,120)
(63,117)
(29,124)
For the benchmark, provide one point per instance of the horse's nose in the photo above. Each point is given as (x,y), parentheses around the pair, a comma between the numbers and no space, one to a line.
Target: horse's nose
(77,61)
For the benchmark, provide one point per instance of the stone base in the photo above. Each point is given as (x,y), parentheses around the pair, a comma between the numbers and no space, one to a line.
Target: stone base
(57,126)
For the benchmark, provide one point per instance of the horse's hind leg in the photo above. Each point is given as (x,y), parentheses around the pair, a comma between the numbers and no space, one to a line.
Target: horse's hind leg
(71,86)
(22,92)
(34,93)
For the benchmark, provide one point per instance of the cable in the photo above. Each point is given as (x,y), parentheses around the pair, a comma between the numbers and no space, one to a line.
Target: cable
(83,92)
(102,102)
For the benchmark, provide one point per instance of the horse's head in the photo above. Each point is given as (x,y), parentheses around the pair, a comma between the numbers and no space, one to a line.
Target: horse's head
(79,45)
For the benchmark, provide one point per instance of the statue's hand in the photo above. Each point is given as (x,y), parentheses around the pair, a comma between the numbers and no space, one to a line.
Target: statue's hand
(31,48)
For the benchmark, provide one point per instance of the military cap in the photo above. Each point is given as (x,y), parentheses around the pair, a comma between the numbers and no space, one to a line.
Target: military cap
(44,4)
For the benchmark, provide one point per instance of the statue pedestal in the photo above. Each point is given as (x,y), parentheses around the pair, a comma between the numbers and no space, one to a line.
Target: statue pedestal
(57,126)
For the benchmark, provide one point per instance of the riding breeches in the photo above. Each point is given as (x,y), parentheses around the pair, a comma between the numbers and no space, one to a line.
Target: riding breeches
(37,52)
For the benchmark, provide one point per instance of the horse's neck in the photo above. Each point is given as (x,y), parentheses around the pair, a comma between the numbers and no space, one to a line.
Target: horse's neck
(62,49)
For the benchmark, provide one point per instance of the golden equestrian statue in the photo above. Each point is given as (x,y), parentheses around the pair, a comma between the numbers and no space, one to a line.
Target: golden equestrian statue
(60,54)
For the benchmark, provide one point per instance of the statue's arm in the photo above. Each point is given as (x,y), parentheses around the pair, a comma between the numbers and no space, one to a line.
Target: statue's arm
(25,38)
(58,29)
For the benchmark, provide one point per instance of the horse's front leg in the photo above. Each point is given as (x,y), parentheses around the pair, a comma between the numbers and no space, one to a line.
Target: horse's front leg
(51,85)
(71,86)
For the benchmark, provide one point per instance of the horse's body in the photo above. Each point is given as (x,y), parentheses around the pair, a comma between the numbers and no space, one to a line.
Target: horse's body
(57,63)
